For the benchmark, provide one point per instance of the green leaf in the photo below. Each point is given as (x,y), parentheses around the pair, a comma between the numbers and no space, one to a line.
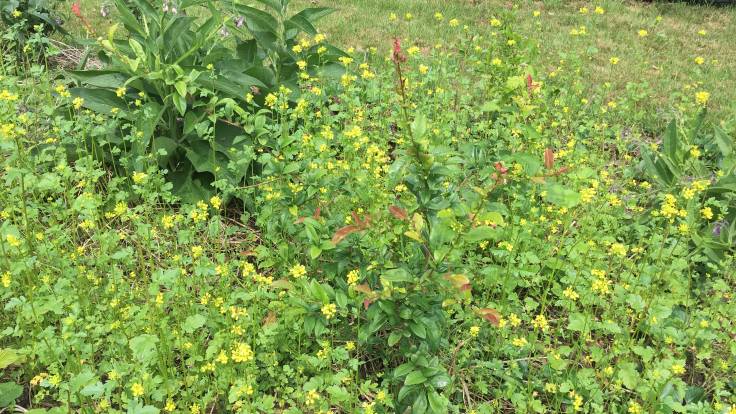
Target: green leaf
(420,404)
(397,275)
(99,100)
(671,140)
(419,126)
(628,374)
(109,79)
(578,322)
(9,392)
(414,378)
(437,404)
(481,233)
(180,103)
(194,322)
(394,338)
(724,142)
(144,348)
(128,19)
(562,196)
(9,356)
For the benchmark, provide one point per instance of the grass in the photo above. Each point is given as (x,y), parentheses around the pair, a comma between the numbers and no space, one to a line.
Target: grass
(664,59)
(658,64)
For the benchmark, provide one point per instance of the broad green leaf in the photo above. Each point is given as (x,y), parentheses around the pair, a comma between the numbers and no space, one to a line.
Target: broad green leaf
(193,322)
(9,392)
(420,404)
(481,233)
(99,100)
(562,196)
(9,356)
(144,348)
(628,374)
(415,377)
(578,322)
(671,141)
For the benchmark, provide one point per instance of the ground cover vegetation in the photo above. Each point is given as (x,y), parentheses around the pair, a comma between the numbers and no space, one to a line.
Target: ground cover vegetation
(228,213)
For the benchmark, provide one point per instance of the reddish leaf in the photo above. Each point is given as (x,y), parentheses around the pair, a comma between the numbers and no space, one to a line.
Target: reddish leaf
(549,158)
(491,315)
(459,281)
(500,168)
(398,212)
(300,220)
(344,232)
(317,212)
(367,302)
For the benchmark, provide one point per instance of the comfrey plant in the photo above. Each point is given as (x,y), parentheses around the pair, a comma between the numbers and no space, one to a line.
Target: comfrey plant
(187,101)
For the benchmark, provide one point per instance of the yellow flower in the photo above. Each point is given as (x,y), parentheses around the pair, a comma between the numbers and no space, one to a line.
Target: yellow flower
(678,369)
(540,322)
(17,13)
(599,10)
(139,177)
(329,310)
(170,405)
(643,33)
(699,60)
(519,342)
(635,408)
(298,271)
(353,277)
(120,92)
(707,213)
(438,16)
(536,13)
(408,16)
(271,100)
(614,60)
(12,240)
(702,97)
(242,353)
(423,69)
(6,280)
(78,102)
(297,49)
(392,17)
(570,293)
(137,389)
(583,10)
(454,22)
(495,22)
(618,249)
(474,331)
(216,202)
(197,251)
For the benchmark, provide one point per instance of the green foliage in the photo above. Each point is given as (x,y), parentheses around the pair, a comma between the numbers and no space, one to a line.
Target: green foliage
(441,230)
(686,163)
(26,16)
(188,98)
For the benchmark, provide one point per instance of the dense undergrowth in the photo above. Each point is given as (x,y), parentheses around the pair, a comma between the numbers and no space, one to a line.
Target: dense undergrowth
(437,230)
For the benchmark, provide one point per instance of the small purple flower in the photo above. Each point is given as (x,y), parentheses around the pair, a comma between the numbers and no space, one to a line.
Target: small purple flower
(718,226)
(224,32)
(239,21)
